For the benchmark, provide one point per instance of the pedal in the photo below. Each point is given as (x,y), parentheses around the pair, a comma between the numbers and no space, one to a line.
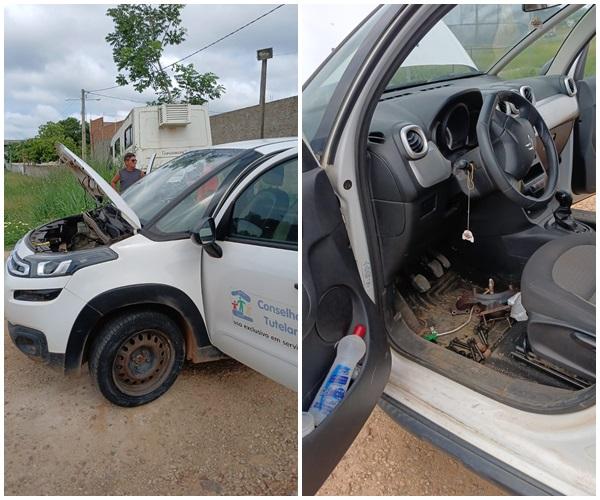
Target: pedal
(443,260)
(436,268)
(420,283)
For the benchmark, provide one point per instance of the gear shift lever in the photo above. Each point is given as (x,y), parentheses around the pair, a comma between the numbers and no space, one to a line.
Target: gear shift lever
(562,215)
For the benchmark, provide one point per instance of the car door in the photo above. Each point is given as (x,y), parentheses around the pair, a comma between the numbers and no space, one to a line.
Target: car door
(250,292)
(333,302)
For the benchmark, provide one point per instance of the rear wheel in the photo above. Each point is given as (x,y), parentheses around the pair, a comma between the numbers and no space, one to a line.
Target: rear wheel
(137,357)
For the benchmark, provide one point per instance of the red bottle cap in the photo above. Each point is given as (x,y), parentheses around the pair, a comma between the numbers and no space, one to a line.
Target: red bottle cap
(360,330)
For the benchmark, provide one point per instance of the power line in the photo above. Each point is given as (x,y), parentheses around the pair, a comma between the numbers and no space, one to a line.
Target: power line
(227,36)
(209,45)
(117,98)
(107,88)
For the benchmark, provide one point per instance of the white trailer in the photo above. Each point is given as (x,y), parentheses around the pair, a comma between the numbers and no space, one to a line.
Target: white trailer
(163,132)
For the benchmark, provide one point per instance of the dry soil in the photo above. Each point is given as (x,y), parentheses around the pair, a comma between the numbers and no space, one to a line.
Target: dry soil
(221,429)
(386,460)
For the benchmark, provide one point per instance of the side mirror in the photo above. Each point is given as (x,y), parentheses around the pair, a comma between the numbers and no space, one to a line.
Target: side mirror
(205,236)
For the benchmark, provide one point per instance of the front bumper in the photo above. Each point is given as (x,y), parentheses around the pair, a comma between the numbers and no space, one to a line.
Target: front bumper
(33,344)
(52,318)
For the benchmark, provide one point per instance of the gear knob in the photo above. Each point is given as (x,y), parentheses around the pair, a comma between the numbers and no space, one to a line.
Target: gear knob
(565,200)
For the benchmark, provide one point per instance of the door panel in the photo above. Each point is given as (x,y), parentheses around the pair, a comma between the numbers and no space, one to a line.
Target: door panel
(584,165)
(250,304)
(333,302)
(251,292)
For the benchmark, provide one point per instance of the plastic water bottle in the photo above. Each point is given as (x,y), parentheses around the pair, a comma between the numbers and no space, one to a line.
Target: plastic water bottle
(308,423)
(350,350)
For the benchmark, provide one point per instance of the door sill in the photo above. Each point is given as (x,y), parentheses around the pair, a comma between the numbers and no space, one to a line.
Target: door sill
(517,393)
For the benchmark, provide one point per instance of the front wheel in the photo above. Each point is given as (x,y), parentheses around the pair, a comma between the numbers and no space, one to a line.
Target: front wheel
(137,357)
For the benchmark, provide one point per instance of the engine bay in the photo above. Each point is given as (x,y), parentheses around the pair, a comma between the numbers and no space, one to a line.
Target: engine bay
(99,227)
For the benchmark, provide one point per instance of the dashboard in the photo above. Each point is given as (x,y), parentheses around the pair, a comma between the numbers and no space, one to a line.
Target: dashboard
(416,137)
(444,117)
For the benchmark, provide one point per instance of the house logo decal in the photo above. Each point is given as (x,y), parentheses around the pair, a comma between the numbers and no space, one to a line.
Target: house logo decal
(241,305)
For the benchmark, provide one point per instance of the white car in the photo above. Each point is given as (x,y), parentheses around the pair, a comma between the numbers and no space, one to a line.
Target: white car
(195,261)
(437,183)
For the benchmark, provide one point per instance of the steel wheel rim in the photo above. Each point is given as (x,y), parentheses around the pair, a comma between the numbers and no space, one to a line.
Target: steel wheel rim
(143,362)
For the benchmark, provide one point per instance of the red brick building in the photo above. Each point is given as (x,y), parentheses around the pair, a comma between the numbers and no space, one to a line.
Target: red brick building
(101,133)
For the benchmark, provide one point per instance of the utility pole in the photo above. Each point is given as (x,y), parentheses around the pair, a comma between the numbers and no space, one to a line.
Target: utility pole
(83,124)
(263,55)
(82,98)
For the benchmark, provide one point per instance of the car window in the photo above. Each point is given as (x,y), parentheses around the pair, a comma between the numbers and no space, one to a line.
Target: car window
(535,59)
(163,186)
(319,90)
(186,215)
(590,61)
(267,210)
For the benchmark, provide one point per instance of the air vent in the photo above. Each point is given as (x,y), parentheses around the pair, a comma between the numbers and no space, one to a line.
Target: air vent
(507,108)
(173,115)
(377,137)
(527,93)
(414,141)
(570,86)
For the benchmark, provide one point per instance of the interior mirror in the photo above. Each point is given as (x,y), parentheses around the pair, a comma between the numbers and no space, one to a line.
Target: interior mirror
(205,235)
(532,7)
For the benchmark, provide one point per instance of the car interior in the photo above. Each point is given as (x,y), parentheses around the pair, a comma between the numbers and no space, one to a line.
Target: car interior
(478,267)
(488,271)
(485,272)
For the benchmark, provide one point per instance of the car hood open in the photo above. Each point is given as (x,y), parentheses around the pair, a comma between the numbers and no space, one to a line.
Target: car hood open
(96,186)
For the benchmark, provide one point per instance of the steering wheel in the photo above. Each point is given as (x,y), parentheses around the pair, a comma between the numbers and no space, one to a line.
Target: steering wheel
(507,145)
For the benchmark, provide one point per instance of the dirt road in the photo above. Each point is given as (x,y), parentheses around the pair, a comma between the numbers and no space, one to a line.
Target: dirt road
(221,429)
(386,460)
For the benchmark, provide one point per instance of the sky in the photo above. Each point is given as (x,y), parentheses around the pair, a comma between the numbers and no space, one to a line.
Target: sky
(51,52)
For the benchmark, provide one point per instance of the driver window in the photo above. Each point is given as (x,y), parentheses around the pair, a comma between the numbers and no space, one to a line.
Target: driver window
(536,58)
(184,217)
(267,210)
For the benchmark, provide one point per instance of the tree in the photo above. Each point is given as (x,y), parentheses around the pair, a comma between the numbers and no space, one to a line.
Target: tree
(141,34)
(69,127)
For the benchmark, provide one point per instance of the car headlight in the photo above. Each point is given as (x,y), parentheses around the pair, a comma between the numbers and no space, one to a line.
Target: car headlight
(16,266)
(50,265)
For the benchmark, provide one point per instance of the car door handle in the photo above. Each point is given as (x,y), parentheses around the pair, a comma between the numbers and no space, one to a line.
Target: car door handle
(296,286)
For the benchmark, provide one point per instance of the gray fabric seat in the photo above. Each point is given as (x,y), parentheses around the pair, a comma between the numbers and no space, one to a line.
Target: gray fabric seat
(558,289)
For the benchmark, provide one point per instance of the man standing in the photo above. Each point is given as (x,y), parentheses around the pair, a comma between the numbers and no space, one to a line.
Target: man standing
(128,175)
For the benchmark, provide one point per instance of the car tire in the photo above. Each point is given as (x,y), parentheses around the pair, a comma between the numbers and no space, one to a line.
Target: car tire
(136,357)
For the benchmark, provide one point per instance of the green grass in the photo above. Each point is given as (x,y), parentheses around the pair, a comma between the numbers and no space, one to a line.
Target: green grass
(32,201)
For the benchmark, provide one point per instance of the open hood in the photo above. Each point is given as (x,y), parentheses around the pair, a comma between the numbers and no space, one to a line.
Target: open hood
(95,185)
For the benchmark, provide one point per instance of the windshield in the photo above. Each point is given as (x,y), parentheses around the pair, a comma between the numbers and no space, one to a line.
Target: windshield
(468,41)
(152,193)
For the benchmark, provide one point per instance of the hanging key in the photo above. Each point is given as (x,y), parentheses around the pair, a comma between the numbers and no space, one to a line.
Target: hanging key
(470,170)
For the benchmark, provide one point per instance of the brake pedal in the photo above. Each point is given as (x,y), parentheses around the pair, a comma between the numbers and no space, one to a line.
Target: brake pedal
(443,260)
(436,268)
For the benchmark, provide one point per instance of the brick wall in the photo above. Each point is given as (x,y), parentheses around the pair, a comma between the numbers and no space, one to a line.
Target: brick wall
(281,120)
(100,135)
